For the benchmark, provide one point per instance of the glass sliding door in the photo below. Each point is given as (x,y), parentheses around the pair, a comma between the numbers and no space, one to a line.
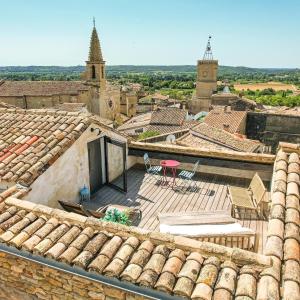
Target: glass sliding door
(115,161)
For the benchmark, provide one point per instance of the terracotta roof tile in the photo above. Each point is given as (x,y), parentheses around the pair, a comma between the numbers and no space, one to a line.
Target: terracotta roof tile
(292,202)
(291,250)
(293,177)
(292,216)
(89,251)
(268,288)
(291,290)
(31,140)
(276,228)
(165,263)
(294,158)
(281,165)
(292,271)
(41,88)
(170,271)
(278,198)
(277,212)
(292,231)
(247,283)
(204,135)
(283,232)
(227,277)
(281,155)
(233,119)
(164,129)
(168,116)
(63,243)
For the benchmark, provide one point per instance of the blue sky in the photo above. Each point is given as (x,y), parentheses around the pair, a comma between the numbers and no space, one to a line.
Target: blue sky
(255,33)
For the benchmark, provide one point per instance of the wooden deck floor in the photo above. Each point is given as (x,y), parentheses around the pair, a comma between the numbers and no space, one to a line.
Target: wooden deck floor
(145,193)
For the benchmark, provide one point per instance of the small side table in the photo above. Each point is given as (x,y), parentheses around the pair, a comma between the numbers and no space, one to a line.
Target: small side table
(173,165)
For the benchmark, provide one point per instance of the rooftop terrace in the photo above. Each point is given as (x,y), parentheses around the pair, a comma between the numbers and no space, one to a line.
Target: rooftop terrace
(146,194)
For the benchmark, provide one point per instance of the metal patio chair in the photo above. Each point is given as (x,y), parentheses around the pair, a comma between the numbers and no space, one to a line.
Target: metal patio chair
(187,176)
(151,170)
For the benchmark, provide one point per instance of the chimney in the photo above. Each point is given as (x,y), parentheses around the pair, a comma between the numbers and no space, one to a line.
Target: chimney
(226,127)
(227,109)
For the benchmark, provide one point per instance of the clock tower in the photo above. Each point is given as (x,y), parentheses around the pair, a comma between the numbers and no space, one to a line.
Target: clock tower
(206,85)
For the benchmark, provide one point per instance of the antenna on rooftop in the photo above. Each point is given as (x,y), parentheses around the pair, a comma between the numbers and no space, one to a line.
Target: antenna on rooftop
(208,53)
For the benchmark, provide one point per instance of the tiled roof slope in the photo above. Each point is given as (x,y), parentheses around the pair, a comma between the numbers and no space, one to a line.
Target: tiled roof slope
(16,191)
(175,265)
(168,116)
(31,140)
(223,138)
(163,129)
(283,231)
(41,88)
(190,140)
(231,118)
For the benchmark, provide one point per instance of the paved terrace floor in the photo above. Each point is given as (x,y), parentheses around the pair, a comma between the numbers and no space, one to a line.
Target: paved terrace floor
(145,193)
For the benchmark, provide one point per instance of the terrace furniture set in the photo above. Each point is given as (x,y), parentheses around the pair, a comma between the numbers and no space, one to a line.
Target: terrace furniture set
(213,226)
(186,176)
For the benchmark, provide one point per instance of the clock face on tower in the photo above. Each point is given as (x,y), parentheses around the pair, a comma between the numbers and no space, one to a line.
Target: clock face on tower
(204,73)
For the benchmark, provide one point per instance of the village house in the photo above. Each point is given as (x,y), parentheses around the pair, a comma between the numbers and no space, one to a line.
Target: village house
(164,120)
(56,153)
(128,101)
(47,253)
(220,129)
(227,119)
(136,125)
(204,136)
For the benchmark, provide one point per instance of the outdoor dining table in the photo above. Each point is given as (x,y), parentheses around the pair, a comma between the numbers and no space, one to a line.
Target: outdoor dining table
(173,165)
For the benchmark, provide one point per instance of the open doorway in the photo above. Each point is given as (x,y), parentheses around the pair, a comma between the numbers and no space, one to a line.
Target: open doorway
(107,164)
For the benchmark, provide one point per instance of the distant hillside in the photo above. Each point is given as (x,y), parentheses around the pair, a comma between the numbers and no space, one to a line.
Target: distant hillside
(142,69)
(157,77)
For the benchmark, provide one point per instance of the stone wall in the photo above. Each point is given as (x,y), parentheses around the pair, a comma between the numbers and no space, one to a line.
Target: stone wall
(273,128)
(89,97)
(22,279)
(66,176)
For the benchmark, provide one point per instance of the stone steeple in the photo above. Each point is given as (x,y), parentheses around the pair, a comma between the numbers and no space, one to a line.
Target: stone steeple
(95,54)
(95,66)
(95,75)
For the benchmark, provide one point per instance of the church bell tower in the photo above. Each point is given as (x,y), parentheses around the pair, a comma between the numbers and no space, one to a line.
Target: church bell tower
(95,66)
(206,85)
(95,75)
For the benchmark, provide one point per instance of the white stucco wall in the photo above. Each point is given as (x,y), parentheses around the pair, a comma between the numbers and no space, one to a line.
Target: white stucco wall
(68,174)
